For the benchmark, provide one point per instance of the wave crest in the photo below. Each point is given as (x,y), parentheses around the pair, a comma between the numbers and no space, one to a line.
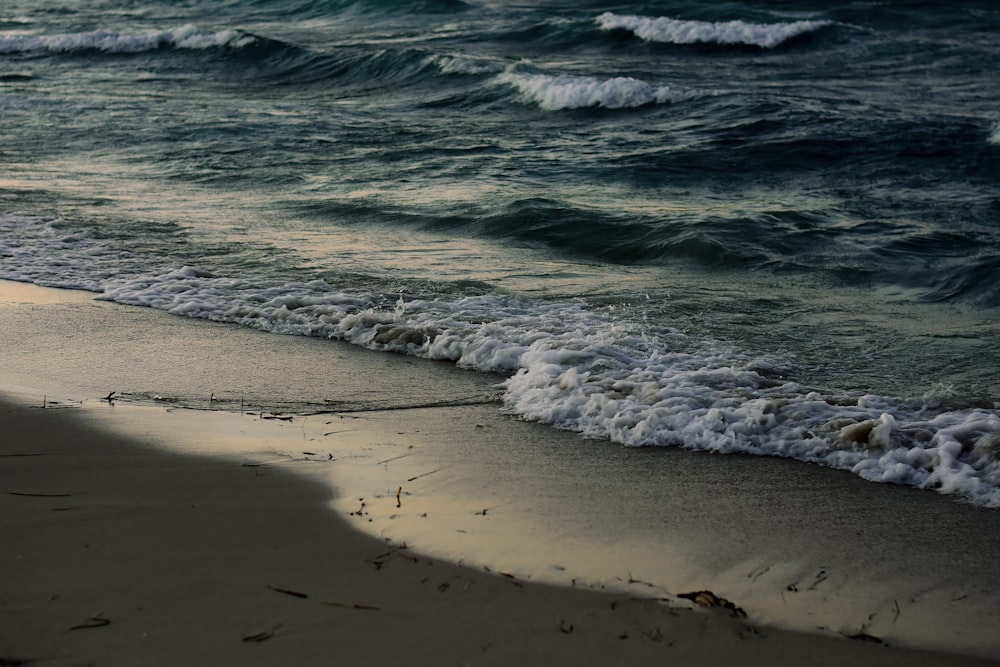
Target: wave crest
(185,37)
(579,370)
(676,31)
(554,93)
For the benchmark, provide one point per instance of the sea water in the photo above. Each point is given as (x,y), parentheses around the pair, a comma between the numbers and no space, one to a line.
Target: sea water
(769,228)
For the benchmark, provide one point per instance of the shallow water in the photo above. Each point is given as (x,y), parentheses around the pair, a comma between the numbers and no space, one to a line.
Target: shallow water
(730,227)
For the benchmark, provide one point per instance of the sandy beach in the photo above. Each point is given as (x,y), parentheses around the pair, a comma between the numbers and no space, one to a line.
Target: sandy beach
(141,533)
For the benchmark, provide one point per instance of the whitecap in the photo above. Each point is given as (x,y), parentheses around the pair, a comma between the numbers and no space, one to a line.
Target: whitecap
(457,64)
(568,365)
(554,93)
(107,41)
(676,31)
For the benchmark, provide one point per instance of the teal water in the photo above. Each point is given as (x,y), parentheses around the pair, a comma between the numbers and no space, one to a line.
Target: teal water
(769,228)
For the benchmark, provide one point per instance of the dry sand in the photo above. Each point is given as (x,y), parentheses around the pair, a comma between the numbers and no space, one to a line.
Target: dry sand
(116,553)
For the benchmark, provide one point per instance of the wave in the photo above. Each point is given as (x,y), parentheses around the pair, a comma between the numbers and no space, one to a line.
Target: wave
(554,93)
(311,8)
(676,31)
(188,37)
(568,365)
(365,67)
(994,137)
(463,65)
(576,369)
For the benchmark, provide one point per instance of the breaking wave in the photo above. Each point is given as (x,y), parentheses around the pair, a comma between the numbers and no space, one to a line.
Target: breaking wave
(189,37)
(576,369)
(569,365)
(676,31)
(554,93)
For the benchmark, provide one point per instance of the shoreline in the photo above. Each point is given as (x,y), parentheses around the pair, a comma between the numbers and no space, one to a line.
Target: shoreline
(549,507)
(124,553)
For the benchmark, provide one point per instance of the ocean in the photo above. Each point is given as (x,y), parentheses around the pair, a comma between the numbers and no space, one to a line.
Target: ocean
(766,228)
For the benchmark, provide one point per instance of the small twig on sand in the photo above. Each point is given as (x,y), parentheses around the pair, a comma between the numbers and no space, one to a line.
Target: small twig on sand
(398,501)
(896,617)
(294,594)
(416,477)
(40,495)
(352,605)
(391,458)
(93,622)
(261,636)
(510,577)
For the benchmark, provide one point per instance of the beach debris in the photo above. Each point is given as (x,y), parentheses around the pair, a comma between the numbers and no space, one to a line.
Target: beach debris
(820,578)
(380,560)
(864,637)
(110,398)
(97,621)
(425,474)
(284,418)
(482,512)
(261,636)
(353,605)
(32,494)
(346,430)
(395,458)
(360,511)
(399,503)
(710,599)
(510,577)
(896,617)
(294,594)
(565,627)
(633,580)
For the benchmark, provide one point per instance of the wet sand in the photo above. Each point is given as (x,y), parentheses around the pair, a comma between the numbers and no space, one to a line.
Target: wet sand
(160,535)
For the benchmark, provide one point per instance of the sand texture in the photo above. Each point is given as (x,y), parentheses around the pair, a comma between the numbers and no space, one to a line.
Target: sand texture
(139,532)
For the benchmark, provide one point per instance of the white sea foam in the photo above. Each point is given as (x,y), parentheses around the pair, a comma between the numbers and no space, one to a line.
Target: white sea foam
(676,31)
(554,93)
(456,64)
(41,251)
(184,37)
(574,369)
(569,366)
